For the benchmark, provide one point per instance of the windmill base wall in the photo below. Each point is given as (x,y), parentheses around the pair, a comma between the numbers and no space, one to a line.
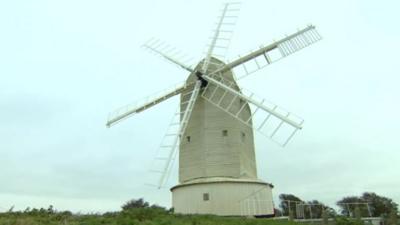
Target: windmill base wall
(232,197)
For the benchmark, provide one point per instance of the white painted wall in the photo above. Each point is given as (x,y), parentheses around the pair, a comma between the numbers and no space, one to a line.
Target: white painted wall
(209,153)
(226,198)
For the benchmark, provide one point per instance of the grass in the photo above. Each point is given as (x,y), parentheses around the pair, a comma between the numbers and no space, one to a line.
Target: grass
(145,216)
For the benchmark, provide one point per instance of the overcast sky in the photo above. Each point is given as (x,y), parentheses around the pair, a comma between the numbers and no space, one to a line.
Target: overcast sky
(64,65)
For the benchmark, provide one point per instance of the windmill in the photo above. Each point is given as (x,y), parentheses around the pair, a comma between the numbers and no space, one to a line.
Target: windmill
(213,127)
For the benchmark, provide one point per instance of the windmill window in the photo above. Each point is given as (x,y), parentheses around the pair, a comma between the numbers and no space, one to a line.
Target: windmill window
(242,136)
(206,196)
(188,138)
(224,133)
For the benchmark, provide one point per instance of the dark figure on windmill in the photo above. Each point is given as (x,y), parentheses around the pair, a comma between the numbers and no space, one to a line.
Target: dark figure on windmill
(203,81)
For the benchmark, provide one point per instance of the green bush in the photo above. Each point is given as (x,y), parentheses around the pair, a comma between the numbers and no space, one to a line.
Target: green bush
(348,221)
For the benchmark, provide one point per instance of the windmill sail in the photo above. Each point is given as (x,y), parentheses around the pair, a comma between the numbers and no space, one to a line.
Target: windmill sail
(169,53)
(272,121)
(173,137)
(223,32)
(258,59)
(131,109)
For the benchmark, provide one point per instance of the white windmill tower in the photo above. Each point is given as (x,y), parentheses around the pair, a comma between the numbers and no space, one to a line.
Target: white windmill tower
(215,123)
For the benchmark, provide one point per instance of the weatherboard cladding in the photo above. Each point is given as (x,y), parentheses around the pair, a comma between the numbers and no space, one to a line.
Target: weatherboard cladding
(209,153)
(225,198)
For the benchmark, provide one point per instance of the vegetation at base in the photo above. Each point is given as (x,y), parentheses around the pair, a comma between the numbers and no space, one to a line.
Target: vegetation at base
(131,216)
(348,221)
(378,205)
(133,212)
(290,205)
(368,204)
(140,212)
